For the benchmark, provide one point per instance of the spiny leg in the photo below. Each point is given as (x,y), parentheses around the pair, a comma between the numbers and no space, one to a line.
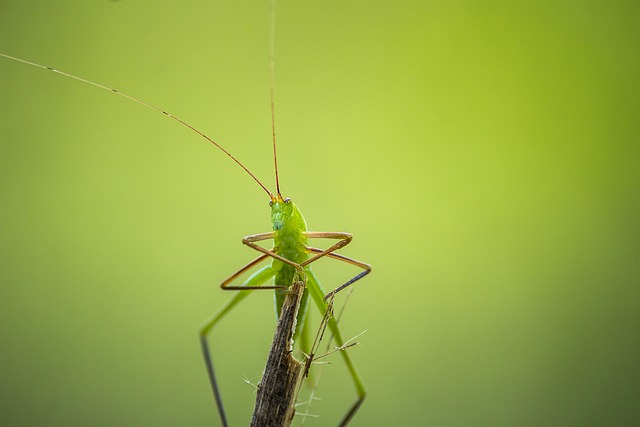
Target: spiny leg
(366,267)
(315,289)
(310,359)
(299,275)
(343,240)
(328,314)
(225,283)
(250,241)
(253,282)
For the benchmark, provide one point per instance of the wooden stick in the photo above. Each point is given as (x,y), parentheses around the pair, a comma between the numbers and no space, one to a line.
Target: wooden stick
(276,396)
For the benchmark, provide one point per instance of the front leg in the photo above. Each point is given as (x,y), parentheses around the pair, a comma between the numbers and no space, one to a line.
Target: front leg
(343,240)
(250,241)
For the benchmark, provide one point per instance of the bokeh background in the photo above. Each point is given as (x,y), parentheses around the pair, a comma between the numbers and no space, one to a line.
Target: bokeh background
(484,154)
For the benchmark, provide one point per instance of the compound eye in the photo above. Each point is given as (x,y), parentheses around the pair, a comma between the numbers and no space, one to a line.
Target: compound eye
(287,200)
(270,202)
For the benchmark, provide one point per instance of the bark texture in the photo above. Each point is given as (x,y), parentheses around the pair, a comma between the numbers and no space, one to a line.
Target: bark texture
(276,395)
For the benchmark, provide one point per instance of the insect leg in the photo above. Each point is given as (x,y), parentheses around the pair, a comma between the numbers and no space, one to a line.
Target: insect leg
(257,279)
(250,241)
(315,289)
(343,240)
(366,267)
(300,273)
(225,283)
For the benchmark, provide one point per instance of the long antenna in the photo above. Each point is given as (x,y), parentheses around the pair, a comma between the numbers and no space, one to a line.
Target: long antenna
(272,81)
(153,107)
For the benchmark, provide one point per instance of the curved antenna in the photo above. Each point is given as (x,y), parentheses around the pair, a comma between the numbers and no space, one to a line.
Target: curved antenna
(153,107)
(272,81)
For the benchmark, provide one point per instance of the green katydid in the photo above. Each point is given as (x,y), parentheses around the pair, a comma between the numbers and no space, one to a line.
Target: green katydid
(291,258)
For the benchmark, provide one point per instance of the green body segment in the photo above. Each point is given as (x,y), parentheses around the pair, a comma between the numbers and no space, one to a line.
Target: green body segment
(290,242)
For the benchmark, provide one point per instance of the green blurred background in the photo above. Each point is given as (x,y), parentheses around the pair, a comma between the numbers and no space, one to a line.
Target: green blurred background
(484,154)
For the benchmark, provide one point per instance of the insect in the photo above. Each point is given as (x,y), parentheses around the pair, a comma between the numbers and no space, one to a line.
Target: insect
(289,259)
